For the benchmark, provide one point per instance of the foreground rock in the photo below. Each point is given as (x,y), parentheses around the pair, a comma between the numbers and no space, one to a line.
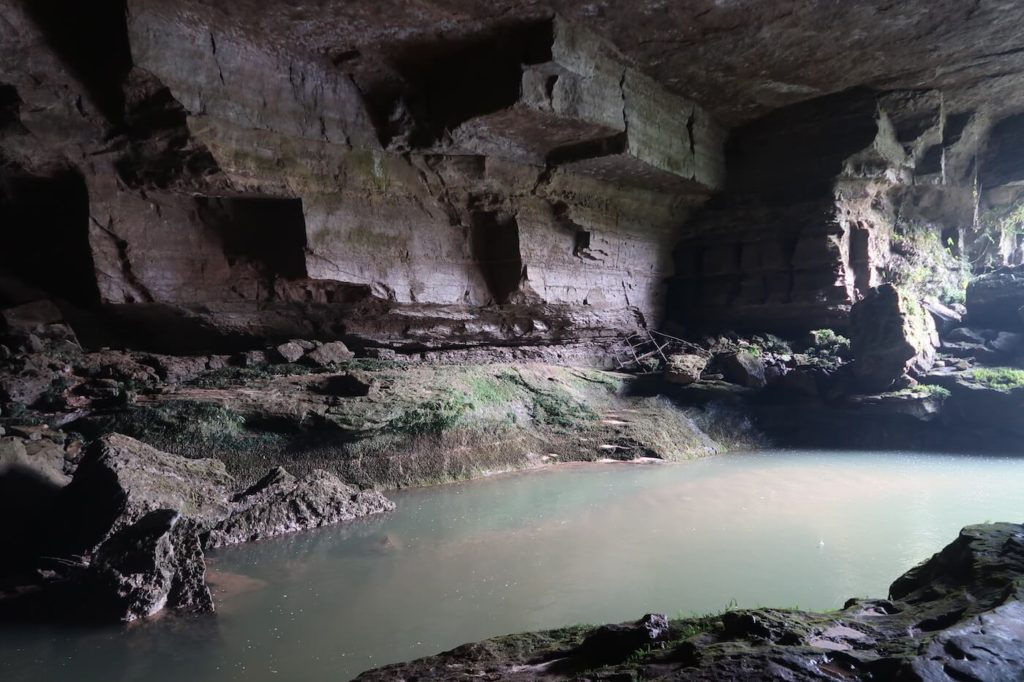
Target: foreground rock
(957,616)
(136,521)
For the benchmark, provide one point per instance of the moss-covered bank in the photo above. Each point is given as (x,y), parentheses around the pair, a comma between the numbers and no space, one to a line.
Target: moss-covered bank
(388,425)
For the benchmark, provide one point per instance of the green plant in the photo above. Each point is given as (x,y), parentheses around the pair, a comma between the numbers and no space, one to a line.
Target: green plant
(998,378)
(827,347)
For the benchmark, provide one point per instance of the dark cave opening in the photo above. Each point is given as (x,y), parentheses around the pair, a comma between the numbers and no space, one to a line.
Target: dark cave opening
(269,232)
(450,82)
(44,223)
(494,239)
(91,39)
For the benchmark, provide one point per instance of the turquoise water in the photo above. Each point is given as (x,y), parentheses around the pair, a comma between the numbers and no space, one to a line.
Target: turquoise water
(571,544)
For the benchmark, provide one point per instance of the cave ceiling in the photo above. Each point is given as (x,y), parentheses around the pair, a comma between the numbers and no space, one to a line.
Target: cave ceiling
(739,58)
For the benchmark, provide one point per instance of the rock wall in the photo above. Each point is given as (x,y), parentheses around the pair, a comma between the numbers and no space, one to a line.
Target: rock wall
(523,164)
(815,195)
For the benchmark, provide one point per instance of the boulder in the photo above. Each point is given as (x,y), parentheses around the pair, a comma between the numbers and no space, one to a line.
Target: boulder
(120,480)
(176,369)
(30,315)
(280,503)
(43,460)
(154,563)
(995,299)
(612,644)
(25,387)
(251,358)
(138,514)
(330,354)
(684,368)
(1008,343)
(743,368)
(892,335)
(290,352)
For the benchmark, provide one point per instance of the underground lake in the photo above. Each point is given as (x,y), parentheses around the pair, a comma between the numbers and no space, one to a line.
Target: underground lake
(569,544)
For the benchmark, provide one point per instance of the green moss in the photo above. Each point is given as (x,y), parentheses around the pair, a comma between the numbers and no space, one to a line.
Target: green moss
(998,378)
(189,428)
(557,409)
(242,376)
(491,390)
(925,267)
(434,415)
(373,364)
(923,391)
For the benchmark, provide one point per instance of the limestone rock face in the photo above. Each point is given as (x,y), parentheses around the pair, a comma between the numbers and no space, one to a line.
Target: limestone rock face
(791,247)
(891,335)
(280,503)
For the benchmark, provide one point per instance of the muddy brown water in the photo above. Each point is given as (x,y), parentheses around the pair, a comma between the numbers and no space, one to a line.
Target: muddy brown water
(566,545)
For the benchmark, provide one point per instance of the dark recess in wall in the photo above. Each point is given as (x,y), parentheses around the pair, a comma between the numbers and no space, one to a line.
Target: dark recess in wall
(91,38)
(1003,161)
(494,239)
(44,227)
(9,104)
(799,150)
(447,82)
(265,231)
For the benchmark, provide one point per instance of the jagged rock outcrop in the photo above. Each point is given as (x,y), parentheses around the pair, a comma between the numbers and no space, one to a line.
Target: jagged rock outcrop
(280,503)
(956,616)
(136,521)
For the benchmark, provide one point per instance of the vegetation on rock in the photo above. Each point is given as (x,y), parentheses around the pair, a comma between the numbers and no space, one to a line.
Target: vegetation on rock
(924,267)
(998,378)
